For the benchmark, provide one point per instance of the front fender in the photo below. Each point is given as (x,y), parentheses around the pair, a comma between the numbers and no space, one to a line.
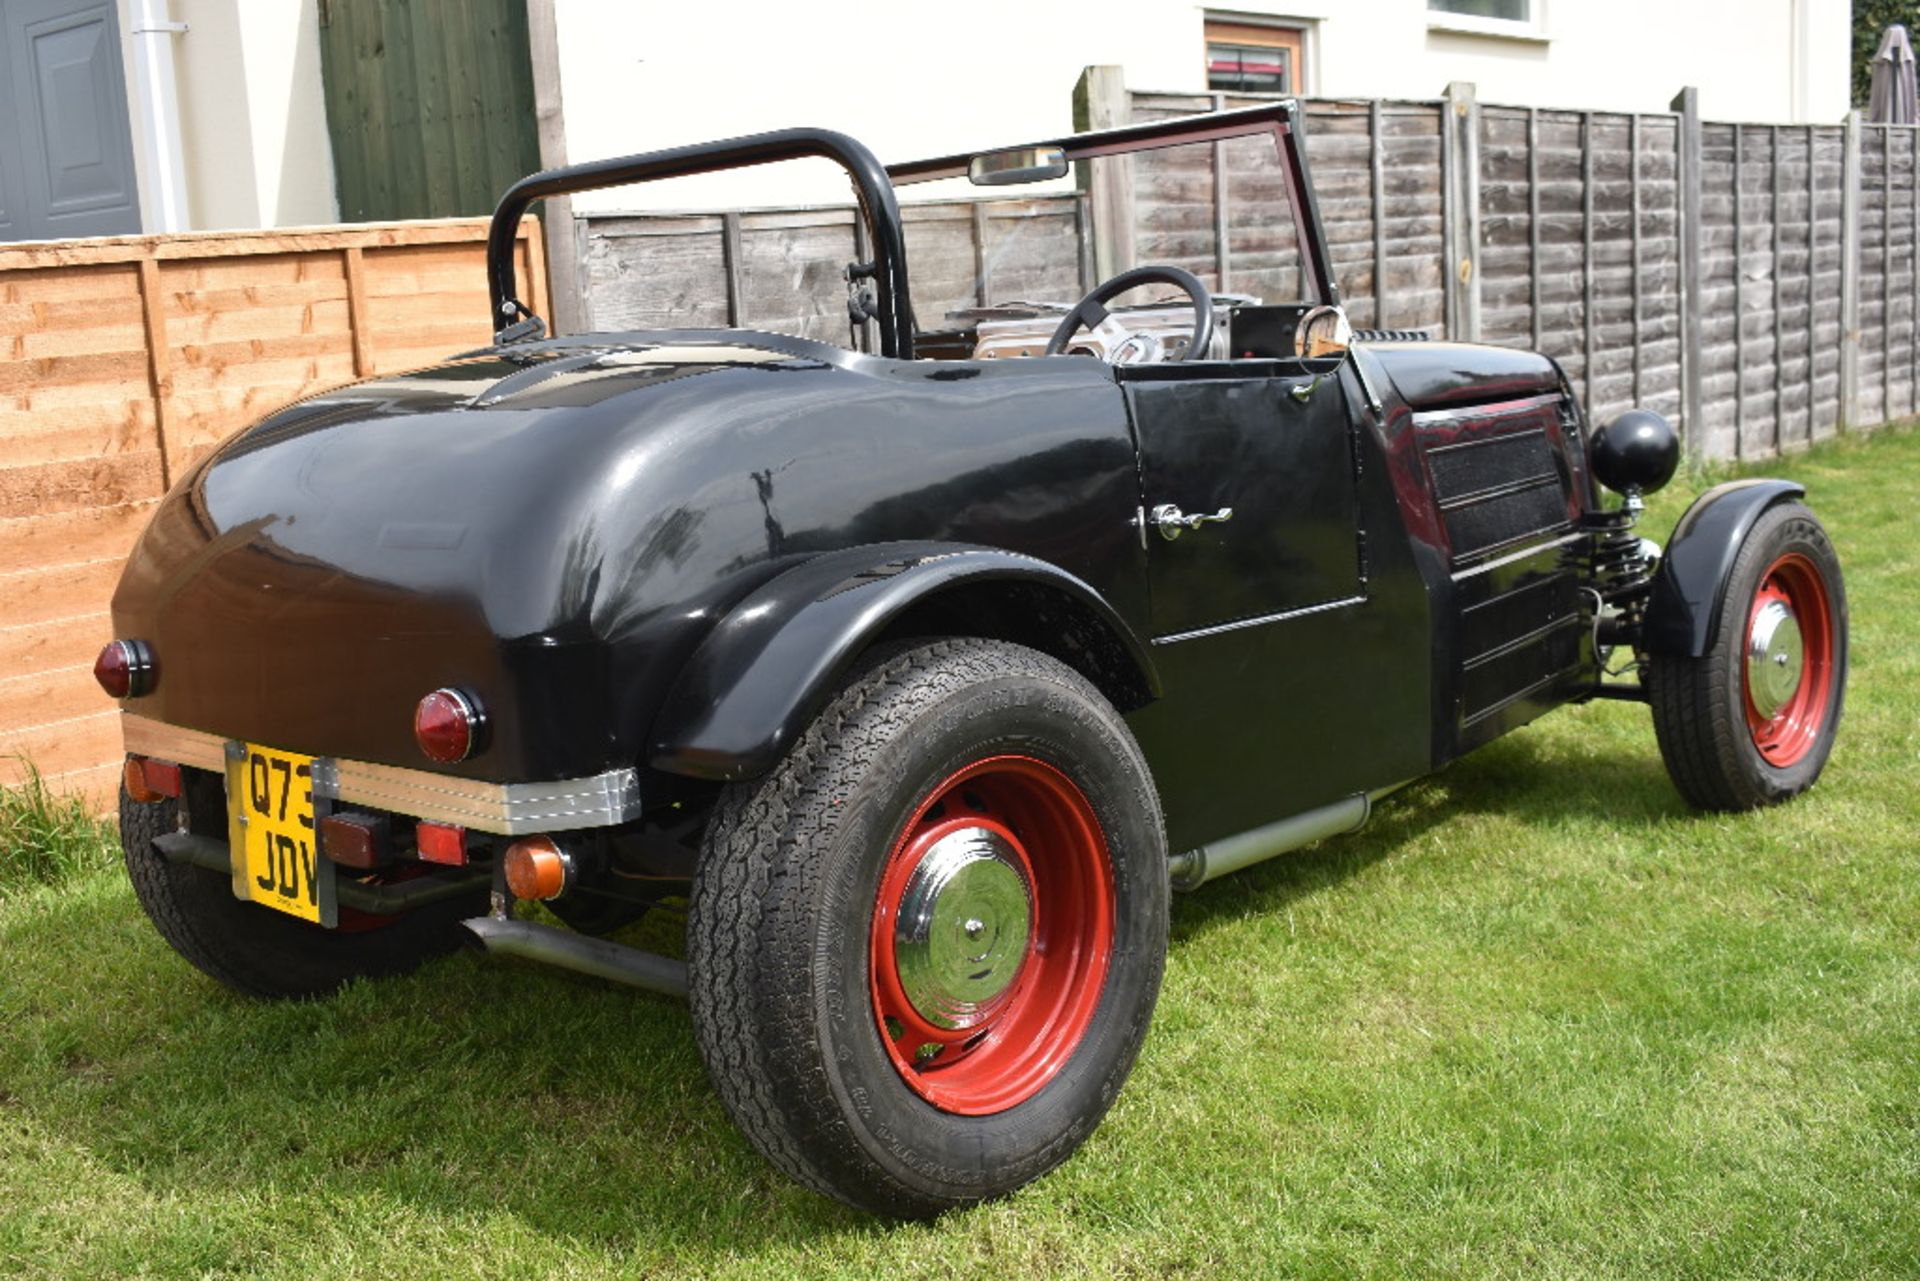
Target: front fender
(767,668)
(1683,615)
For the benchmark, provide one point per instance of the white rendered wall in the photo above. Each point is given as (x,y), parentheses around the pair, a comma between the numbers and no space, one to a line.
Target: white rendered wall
(912,78)
(253,118)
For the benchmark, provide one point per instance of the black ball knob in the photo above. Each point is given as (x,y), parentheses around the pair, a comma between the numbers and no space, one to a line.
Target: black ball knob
(1638,451)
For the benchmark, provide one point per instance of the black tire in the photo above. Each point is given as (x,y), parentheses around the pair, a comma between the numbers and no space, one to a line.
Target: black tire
(1717,757)
(783,915)
(254,949)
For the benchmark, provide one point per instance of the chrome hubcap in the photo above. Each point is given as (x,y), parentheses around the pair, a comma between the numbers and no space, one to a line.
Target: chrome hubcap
(960,936)
(1774,658)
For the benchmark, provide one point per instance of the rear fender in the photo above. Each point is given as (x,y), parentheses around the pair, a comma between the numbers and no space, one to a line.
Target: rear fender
(1683,615)
(768,667)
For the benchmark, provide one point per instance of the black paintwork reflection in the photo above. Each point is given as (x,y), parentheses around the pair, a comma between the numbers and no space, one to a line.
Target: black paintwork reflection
(559,530)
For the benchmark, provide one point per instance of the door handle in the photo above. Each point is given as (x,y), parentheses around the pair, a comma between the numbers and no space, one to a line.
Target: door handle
(1170,520)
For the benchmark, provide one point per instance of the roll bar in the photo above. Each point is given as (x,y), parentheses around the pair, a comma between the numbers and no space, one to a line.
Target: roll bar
(878,206)
(1283,119)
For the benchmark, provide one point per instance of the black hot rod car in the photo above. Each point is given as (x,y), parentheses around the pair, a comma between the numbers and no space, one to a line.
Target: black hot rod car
(923,675)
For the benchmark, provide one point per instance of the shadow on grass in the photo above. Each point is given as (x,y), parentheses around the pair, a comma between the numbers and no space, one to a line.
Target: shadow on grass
(1511,777)
(478,1087)
(472,1088)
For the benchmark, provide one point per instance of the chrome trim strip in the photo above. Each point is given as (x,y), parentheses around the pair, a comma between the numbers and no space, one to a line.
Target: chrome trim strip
(1429,417)
(1522,554)
(508,809)
(1217,628)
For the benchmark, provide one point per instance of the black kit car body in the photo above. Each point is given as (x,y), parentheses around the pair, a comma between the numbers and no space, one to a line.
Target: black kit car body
(651,576)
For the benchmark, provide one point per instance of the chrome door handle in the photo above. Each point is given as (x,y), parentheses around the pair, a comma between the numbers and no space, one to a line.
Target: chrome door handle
(1170,520)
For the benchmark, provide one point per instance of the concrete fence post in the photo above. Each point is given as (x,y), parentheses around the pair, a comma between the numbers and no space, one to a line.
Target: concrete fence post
(1460,209)
(1850,276)
(1692,429)
(1100,102)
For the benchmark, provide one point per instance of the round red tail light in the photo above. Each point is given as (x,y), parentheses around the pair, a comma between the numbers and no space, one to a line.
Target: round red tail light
(126,668)
(449,726)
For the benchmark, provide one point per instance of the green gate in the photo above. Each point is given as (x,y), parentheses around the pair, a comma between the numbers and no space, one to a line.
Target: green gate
(429,104)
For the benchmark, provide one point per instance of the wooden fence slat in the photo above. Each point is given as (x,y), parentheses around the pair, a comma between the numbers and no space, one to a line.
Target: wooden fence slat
(1886,273)
(1377,192)
(152,311)
(357,318)
(1586,252)
(133,357)
(1533,223)
(1739,300)
(1639,265)
(1779,314)
(1850,275)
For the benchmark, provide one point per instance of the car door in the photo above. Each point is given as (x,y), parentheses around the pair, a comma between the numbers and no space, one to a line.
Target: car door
(1258,460)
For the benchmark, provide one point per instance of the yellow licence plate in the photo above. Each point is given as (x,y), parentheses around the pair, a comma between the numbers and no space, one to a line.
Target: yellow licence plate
(270,804)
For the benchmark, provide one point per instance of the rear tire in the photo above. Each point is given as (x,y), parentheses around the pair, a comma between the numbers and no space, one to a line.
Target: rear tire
(1736,730)
(254,949)
(962,855)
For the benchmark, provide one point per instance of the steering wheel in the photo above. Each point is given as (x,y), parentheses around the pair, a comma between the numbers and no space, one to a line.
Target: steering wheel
(1091,312)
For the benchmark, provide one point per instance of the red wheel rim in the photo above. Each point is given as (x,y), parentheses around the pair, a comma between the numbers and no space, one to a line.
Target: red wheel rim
(1788,661)
(977,1007)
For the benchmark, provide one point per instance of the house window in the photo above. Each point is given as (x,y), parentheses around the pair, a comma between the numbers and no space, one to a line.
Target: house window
(1505,10)
(1508,19)
(1243,58)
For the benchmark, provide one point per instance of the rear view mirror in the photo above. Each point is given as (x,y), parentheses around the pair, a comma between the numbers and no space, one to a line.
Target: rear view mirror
(1020,165)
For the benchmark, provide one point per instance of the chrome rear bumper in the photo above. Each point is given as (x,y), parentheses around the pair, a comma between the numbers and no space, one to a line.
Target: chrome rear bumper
(508,809)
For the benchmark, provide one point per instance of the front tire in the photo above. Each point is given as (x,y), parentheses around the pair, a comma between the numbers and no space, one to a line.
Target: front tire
(1752,721)
(924,950)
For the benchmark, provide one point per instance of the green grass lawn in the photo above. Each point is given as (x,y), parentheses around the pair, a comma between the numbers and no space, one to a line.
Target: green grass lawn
(1539,1020)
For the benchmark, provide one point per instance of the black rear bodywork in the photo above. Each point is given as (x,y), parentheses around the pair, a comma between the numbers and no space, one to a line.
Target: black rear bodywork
(662,549)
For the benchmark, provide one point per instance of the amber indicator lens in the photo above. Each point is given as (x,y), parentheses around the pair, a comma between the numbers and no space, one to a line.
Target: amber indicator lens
(441,843)
(126,668)
(449,726)
(536,868)
(148,781)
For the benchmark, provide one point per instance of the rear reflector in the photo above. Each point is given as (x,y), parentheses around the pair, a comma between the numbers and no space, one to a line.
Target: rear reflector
(441,843)
(449,725)
(356,840)
(148,780)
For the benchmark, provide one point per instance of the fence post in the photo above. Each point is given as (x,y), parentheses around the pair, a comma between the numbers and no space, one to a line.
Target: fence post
(563,260)
(1687,104)
(1460,204)
(1100,102)
(1850,275)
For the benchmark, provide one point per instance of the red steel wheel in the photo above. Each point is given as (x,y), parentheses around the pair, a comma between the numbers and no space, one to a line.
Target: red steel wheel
(1789,658)
(991,936)
(1752,719)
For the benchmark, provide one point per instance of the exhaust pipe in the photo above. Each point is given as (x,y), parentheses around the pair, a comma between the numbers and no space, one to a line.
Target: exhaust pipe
(581,953)
(1196,867)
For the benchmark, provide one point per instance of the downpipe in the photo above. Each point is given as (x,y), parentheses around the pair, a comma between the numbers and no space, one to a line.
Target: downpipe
(581,953)
(1196,867)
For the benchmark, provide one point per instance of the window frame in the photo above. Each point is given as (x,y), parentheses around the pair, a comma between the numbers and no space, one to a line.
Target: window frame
(1532,28)
(1257,31)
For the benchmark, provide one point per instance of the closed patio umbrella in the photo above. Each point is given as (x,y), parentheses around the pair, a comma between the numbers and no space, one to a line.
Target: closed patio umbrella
(1892,101)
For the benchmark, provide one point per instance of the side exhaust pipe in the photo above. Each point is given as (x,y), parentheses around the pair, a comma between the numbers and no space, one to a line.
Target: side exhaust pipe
(1196,867)
(581,953)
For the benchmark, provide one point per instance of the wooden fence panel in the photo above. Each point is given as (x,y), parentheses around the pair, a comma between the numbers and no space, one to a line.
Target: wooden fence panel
(780,270)
(125,361)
